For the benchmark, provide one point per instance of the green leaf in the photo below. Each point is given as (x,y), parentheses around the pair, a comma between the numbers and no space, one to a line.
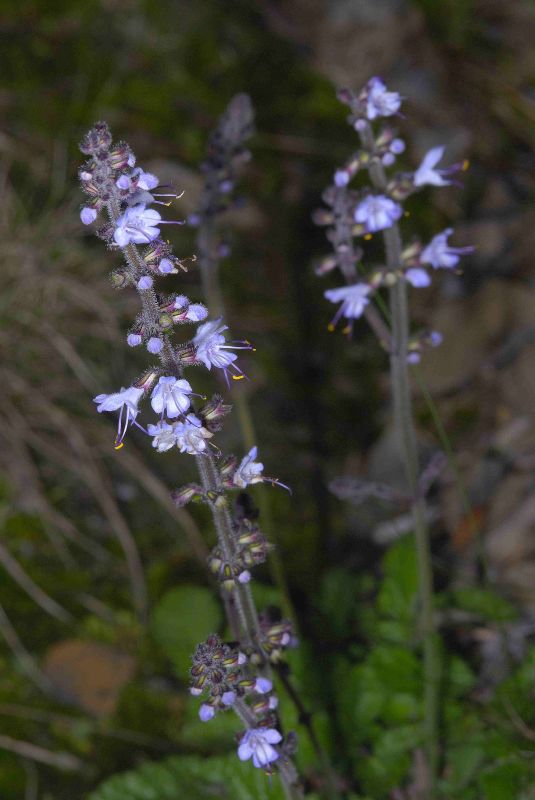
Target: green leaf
(398,591)
(184,617)
(504,780)
(193,778)
(485,603)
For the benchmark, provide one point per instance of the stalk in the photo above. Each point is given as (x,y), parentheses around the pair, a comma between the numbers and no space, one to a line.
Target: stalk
(244,623)
(404,424)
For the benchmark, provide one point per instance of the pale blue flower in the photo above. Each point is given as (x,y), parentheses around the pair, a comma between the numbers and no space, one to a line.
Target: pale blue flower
(426,174)
(440,255)
(380,102)
(170,396)
(257,744)
(353,299)
(137,225)
(126,402)
(418,277)
(377,212)
(88,215)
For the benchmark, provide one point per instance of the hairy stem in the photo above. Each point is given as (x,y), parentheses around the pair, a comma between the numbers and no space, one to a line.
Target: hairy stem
(404,423)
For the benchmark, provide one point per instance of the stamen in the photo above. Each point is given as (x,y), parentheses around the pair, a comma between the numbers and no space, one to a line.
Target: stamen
(238,377)
(118,446)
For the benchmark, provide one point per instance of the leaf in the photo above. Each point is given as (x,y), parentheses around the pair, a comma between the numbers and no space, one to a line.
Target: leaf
(485,603)
(224,778)
(398,591)
(184,617)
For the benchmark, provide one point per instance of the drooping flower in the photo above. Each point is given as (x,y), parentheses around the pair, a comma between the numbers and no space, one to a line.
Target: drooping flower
(377,212)
(380,102)
(353,299)
(191,436)
(170,396)
(126,402)
(213,351)
(257,744)
(249,470)
(137,225)
(440,255)
(426,174)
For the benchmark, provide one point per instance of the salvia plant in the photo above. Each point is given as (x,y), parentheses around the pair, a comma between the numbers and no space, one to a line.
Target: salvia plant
(353,216)
(225,676)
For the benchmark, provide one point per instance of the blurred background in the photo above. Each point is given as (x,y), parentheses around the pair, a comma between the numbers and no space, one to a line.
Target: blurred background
(103,588)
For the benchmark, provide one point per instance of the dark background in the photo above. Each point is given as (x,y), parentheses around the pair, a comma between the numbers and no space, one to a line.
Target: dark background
(161,73)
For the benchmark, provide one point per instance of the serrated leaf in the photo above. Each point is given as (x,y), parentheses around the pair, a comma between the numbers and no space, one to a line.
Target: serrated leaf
(184,617)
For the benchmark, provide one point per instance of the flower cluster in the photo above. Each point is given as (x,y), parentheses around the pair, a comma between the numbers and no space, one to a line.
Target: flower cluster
(359,214)
(221,673)
(226,154)
(126,194)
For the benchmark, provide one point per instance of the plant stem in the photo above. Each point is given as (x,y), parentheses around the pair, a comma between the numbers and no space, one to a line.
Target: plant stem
(404,424)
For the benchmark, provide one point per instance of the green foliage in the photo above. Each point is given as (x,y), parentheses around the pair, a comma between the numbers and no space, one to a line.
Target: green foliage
(183,618)
(485,603)
(192,778)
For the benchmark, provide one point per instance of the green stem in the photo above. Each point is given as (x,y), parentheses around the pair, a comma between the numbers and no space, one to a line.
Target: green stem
(404,424)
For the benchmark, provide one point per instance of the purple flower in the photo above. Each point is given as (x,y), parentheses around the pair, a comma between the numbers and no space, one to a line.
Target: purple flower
(263,685)
(166,266)
(206,712)
(88,215)
(244,576)
(171,396)
(145,180)
(417,277)
(126,402)
(249,470)
(212,348)
(144,283)
(440,255)
(426,174)
(341,177)
(163,434)
(377,212)
(137,225)
(228,698)
(354,300)
(133,339)
(154,345)
(257,744)
(380,102)
(196,312)
(190,436)
(397,146)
